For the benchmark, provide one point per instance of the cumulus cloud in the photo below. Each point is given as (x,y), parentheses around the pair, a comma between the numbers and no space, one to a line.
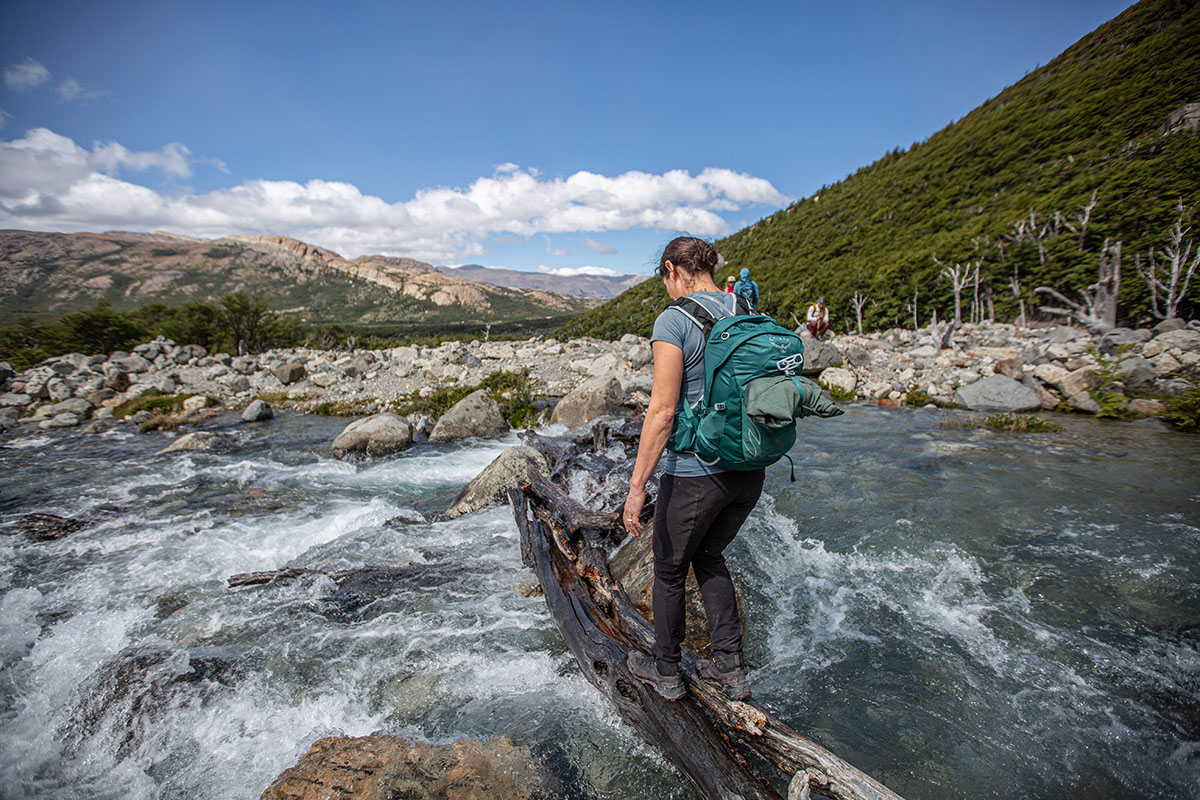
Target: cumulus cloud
(600,248)
(568,272)
(47,181)
(29,74)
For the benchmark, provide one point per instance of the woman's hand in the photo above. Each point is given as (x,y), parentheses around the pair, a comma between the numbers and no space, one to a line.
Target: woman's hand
(633,511)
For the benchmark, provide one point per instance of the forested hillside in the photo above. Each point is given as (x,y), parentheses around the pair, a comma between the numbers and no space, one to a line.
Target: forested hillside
(1007,188)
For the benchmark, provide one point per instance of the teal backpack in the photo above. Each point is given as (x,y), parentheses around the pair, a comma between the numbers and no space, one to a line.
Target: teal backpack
(753,392)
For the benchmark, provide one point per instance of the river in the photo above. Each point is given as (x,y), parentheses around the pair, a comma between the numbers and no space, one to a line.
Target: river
(958,612)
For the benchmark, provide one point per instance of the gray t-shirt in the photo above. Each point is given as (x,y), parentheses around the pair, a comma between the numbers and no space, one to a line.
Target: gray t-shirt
(673,327)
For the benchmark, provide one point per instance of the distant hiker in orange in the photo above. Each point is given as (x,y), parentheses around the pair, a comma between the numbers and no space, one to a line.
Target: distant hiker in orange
(818,319)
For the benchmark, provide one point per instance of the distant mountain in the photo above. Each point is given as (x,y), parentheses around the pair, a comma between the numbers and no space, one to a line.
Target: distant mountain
(1007,186)
(604,286)
(46,275)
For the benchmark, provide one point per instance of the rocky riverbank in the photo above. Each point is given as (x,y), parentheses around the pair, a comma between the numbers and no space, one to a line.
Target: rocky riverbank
(990,367)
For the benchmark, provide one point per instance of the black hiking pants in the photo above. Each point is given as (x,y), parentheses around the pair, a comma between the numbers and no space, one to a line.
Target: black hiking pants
(695,519)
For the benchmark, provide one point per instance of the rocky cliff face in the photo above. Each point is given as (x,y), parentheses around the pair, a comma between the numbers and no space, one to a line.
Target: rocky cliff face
(50,274)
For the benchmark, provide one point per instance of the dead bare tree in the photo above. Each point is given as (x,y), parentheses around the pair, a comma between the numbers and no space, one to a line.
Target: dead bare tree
(858,301)
(1098,307)
(1014,283)
(913,308)
(1163,277)
(1038,232)
(1084,217)
(958,275)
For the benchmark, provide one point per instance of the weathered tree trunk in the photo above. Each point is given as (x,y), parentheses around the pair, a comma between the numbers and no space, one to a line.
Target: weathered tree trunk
(601,622)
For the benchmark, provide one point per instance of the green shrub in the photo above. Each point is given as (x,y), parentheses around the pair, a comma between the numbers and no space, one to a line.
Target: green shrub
(1020,423)
(837,393)
(1183,411)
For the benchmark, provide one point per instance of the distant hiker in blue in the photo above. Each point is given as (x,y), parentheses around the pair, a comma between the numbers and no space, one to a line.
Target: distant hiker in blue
(747,288)
(700,508)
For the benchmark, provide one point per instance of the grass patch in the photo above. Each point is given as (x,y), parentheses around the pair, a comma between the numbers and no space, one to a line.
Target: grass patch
(1183,412)
(1020,423)
(161,422)
(337,408)
(516,393)
(154,400)
(837,393)
(919,398)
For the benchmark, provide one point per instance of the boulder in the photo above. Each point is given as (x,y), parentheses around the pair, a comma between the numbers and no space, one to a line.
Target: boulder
(196,402)
(1049,400)
(385,767)
(1119,337)
(360,365)
(258,411)
(924,351)
(1083,401)
(323,379)
(1010,368)
(859,356)
(244,365)
(1063,334)
(1167,325)
(477,414)
(9,416)
(819,356)
(607,365)
(592,398)
(236,383)
(134,363)
(75,405)
(1185,339)
(1079,381)
(509,470)
(64,420)
(376,435)
(1135,371)
(13,399)
(117,380)
(1165,365)
(290,373)
(498,350)
(841,379)
(997,393)
(1146,407)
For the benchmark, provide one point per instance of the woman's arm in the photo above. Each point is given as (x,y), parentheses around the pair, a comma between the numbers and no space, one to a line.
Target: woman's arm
(656,428)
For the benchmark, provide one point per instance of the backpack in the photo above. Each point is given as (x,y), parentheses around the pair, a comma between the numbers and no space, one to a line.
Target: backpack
(748,291)
(753,391)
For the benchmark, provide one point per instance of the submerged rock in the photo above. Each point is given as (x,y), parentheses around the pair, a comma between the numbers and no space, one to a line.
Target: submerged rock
(48,527)
(508,470)
(380,767)
(196,440)
(376,435)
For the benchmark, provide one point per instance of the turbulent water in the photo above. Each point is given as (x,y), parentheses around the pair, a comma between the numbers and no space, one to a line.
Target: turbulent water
(960,613)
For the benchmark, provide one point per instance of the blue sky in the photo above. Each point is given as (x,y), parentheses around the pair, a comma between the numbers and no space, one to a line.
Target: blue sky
(551,136)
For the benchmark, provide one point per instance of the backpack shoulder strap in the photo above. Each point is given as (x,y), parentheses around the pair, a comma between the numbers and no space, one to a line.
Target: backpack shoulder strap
(697,313)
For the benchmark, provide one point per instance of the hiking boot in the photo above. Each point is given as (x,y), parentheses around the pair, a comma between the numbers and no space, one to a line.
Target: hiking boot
(645,669)
(728,670)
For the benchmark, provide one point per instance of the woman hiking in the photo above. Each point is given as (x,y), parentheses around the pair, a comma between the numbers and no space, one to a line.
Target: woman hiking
(700,508)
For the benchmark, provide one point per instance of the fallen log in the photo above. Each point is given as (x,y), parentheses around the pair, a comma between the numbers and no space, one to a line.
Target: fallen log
(563,541)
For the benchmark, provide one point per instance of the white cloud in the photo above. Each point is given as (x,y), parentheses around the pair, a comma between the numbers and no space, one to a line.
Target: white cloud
(47,181)
(568,272)
(556,252)
(600,248)
(29,74)
(70,89)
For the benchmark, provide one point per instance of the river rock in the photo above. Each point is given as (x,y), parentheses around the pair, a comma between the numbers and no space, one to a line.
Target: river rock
(1083,401)
(376,435)
(58,389)
(117,380)
(1010,368)
(360,365)
(592,398)
(819,355)
(196,402)
(1146,407)
(244,365)
(508,470)
(13,399)
(924,351)
(840,379)
(859,356)
(1167,325)
(1079,381)
(196,440)
(1119,337)
(290,373)
(10,416)
(606,366)
(383,767)
(323,379)
(1135,371)
(133,363)
(64,420)
(477,414)
(1186,340)
(258,411)
(47,527)
(997,393)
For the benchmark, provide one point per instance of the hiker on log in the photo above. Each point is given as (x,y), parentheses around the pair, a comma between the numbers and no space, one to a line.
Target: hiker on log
(700,508)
